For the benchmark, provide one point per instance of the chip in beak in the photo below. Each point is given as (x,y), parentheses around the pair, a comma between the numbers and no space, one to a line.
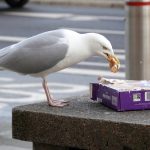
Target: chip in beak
(114,63)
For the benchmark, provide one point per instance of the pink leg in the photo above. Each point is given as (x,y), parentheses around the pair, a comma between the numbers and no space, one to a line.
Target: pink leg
(50,100)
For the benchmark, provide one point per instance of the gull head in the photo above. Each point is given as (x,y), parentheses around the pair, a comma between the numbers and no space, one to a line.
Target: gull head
(101,46)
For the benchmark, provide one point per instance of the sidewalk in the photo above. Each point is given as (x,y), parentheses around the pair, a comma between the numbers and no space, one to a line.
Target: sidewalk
(102,3)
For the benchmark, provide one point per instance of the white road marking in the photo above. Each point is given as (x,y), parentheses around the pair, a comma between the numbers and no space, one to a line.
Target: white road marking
(97,64)
(115,18)
(4,79)
(39,15)
(91,18)
(6,133)
(115,32)
(92,72)
(67,88)
(70,88)
(83,18)
(120,56)
(122,51)
(22,96)
(6,38)
(30,96)
(24,85)
(11,38)
(4,147)
(2,105)
(68,16)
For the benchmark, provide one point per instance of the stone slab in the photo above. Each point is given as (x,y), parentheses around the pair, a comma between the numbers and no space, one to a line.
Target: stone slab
(83,124)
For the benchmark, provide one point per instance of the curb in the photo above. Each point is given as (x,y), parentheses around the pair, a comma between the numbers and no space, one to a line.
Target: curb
(98,3)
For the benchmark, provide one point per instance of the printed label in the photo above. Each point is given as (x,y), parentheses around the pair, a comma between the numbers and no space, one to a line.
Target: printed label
(137,97)
(114,100)
(106,97)
(147,96)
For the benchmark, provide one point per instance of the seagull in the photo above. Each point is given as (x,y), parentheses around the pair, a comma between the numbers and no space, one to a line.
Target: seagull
(53,51)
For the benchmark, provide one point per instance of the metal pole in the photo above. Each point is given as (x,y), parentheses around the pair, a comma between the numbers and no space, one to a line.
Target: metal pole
(138,40)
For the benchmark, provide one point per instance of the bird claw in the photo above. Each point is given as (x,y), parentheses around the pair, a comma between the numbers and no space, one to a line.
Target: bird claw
(61,100)
(58,103)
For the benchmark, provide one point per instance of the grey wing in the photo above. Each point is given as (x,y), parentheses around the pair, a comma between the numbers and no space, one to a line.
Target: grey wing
(35,54)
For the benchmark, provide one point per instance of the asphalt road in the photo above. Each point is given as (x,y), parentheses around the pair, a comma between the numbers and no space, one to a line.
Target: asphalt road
(16,25)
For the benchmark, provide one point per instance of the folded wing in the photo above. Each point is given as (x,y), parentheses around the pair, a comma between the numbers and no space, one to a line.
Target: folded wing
(35,54)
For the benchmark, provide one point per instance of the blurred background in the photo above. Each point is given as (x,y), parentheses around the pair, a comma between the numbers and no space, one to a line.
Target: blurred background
(20,19)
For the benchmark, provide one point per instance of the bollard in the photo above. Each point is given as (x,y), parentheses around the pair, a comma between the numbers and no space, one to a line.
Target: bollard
(138,40)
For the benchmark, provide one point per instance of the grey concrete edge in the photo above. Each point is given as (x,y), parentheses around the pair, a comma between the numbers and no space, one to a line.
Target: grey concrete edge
(100,3)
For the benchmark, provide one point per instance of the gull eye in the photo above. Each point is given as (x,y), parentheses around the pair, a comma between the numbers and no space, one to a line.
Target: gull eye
(106,54)
(105,48)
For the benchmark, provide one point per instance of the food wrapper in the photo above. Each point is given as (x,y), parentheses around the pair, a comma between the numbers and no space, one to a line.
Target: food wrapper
(122,95)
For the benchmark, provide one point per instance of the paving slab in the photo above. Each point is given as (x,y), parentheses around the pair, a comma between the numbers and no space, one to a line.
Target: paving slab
(12,148)
(83,125)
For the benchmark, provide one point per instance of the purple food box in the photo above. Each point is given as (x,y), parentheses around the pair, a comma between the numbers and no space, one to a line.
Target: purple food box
(122,95)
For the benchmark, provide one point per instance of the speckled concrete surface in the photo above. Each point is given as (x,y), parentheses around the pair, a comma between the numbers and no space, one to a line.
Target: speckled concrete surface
(83,124)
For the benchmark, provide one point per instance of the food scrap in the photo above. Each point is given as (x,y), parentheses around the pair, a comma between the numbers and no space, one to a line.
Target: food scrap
(114,63)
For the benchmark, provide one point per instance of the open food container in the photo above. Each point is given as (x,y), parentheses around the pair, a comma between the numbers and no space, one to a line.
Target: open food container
(122,95)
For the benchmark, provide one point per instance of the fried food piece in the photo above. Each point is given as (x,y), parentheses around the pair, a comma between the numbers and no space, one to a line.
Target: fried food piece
(114,63)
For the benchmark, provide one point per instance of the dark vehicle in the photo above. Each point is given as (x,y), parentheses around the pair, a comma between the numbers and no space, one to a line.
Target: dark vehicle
(16,3)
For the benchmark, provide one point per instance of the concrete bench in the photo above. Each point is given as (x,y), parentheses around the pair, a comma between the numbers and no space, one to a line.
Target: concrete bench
(82,125)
